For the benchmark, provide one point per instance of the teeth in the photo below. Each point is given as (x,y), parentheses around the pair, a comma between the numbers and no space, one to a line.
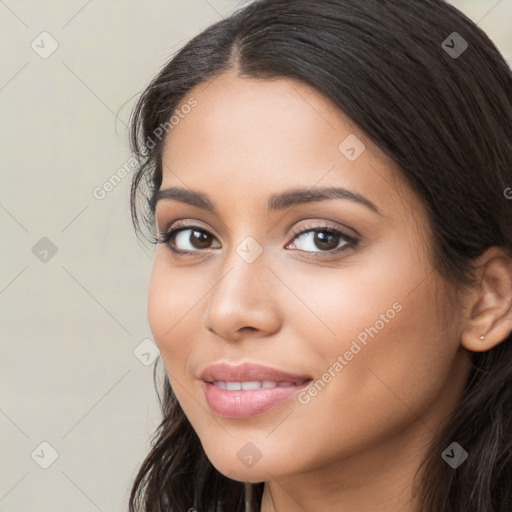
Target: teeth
(249,385)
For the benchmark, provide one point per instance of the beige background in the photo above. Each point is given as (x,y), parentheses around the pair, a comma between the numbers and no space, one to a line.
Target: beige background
(70,323)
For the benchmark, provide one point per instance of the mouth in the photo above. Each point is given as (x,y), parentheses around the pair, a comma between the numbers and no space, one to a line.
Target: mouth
(248,389)
(251,384)
(250,373)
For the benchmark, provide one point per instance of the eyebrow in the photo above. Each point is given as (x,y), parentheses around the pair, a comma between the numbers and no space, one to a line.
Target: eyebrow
(278,201)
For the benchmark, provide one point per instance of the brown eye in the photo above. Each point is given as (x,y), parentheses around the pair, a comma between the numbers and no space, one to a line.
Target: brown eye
(198,239)
(320,240)
(325,241)
(187,239)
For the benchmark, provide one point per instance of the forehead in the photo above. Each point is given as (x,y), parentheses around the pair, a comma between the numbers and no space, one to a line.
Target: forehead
(246,135)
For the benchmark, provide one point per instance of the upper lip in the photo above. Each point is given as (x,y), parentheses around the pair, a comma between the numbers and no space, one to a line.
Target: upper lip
(247,372)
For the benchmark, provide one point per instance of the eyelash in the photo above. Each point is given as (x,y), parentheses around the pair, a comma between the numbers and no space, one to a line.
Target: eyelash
(352,243)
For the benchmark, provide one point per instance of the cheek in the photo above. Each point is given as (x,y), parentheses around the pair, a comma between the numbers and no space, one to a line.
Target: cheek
(392,331)
(396,361)
(396,351)
(171,309)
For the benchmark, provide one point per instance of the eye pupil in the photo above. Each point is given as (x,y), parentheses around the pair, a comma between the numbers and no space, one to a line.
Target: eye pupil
(204,236)
(321,236)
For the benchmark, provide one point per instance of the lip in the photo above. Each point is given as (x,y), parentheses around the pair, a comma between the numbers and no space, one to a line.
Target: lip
(245,403)
(248,372)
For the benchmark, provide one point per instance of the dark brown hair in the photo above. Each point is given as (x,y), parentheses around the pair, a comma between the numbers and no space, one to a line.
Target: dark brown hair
(445,119)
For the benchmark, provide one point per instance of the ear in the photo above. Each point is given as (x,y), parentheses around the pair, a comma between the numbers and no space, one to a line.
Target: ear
(490,302)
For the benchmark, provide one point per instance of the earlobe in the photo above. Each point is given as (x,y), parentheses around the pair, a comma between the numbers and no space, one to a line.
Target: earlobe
(490,319)
(495,322)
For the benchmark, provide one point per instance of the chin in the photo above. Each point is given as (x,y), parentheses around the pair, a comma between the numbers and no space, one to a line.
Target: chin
(234,469)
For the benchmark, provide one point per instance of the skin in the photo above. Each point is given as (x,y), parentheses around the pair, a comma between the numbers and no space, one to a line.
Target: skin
(356,445)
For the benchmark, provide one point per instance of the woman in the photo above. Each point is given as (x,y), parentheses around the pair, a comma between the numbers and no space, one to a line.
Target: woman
(328,184)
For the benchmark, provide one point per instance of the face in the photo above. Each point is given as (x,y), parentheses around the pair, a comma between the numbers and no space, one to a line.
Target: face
(339,292)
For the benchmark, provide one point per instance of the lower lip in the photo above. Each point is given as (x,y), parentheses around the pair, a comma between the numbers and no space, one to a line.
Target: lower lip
(242,404)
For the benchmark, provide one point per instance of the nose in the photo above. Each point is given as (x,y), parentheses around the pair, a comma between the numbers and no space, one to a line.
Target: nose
(244,300)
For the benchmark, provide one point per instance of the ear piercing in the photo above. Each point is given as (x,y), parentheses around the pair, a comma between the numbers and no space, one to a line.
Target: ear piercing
(482,337)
